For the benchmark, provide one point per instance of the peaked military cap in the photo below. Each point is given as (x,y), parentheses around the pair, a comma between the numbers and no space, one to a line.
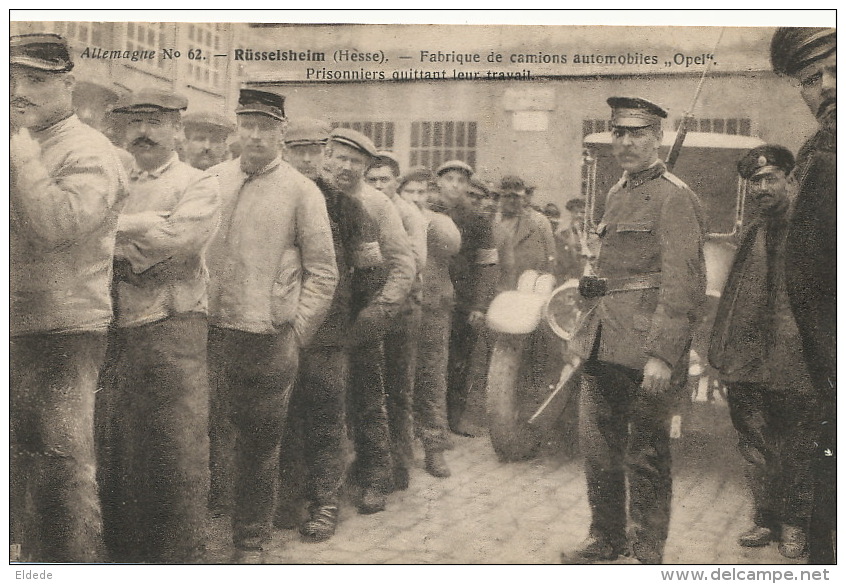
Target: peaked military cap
(793,48)
(634,112)
(256,101)
(209,120)
(44,51)
(150,100)
(764,159)
(354,139)
(305,131)
(455,165)
(388,157)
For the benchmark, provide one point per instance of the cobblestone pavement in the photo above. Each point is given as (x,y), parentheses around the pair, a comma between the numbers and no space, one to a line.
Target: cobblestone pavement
(527,512)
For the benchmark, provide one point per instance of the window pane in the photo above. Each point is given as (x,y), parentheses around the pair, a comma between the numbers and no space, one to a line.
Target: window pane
(459,134)
(449,133)
(471,157)
(587,127)
(719,126)
(424,158)
(438,138)
(389,135)
(731,126)
(745,127)
(471,135)
(425,138)
(415,135)
(414,158)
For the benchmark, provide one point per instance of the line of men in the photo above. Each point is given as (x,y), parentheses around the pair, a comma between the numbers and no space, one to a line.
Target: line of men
(233,317)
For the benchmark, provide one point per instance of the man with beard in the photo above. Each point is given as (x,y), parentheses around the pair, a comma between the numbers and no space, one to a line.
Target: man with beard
(67,185)
(401,338)
(154,497)
(634,341)
(205,139)
(809,55)
(311,464)
(474,273)
(273,275)
(378,295)
(756,348)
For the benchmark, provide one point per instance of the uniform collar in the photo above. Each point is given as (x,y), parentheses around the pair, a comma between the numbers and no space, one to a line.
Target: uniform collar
(640,177)
(137,174)
(54,129)
(269,167)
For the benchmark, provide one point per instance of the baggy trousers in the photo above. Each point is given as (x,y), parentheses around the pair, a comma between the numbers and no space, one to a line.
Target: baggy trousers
(401,348)
(624,433)
(54,509)
(776,432)
(311,463)
(430,387)
(254,374)
(154,480)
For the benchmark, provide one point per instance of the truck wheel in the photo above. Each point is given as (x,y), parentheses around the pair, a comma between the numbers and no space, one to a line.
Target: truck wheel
(508,404)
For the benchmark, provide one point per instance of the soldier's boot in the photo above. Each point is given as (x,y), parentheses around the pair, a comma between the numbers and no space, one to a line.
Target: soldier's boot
(321,525)
(794,542)
(758,536)
(436,465)
(591,550)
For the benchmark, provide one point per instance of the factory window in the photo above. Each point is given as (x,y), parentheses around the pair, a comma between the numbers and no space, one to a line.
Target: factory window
(204,42)
(733,126)
(382,133)
(433,143)
(140,36)
(595,126)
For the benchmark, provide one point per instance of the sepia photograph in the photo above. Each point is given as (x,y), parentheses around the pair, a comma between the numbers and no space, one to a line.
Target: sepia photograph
(423,287)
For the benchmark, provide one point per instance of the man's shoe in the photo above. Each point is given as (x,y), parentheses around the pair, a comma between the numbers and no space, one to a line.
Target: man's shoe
(321,525)
(591,550)
(758,536)
(794,542)
(372,501)
(436,465)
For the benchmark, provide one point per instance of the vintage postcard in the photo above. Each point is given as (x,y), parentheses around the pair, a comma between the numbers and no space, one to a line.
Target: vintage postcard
(196,146)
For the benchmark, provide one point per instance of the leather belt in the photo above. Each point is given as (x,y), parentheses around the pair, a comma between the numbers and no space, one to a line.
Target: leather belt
(594,287)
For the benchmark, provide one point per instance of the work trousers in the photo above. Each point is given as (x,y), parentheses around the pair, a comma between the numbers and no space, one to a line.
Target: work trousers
(254,376)
(154,475)
(624,433)
(368,418)
(401,348)
(776,432)
(462,345)
(431,384)
(311,463)
(54,509)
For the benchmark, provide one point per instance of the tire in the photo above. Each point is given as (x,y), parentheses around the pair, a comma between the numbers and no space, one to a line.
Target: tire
(509,404)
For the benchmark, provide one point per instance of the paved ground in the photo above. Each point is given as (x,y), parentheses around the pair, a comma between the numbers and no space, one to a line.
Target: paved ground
(527,512)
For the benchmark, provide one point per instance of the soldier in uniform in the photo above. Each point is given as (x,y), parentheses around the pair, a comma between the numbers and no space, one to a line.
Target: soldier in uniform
(378,294)
(809,55)
(474,274)
(272,278)
(154,497)
(756,348)
(67,186)
(205,139)
(634,342)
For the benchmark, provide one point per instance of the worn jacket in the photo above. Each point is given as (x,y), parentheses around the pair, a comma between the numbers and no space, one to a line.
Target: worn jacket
(164,229)
(272,262)
(443,242)
(652,227)
(811,257)
(475,268)
(528,245)
(64,205)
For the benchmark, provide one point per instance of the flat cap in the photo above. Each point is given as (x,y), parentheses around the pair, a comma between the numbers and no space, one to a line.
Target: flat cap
(209,120)
(388,157)
(765,158)
(793,48)
(257,101)
(305,131)
(150,100)
(45,51)
(513,184)
(454,165)
(552,211)
(478,187)
(354,139)
(416,174)
(634,112)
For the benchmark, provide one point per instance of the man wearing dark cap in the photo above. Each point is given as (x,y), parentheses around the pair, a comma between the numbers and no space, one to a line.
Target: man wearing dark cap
(809,55)
(154,497)
(67,185)
(205,139)
(312,463)
(634,342)
(474,273)
(403,333)
(570,243)
(378,295)
(272,276)
(755,345)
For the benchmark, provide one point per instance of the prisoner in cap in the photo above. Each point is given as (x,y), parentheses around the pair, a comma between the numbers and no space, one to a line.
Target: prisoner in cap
(768,168)
(350,153)
(40,83)
(261,117)
(205,138)
(305,145)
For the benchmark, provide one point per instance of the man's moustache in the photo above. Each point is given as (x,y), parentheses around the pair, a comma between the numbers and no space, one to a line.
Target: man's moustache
(20,102)
(144,140)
